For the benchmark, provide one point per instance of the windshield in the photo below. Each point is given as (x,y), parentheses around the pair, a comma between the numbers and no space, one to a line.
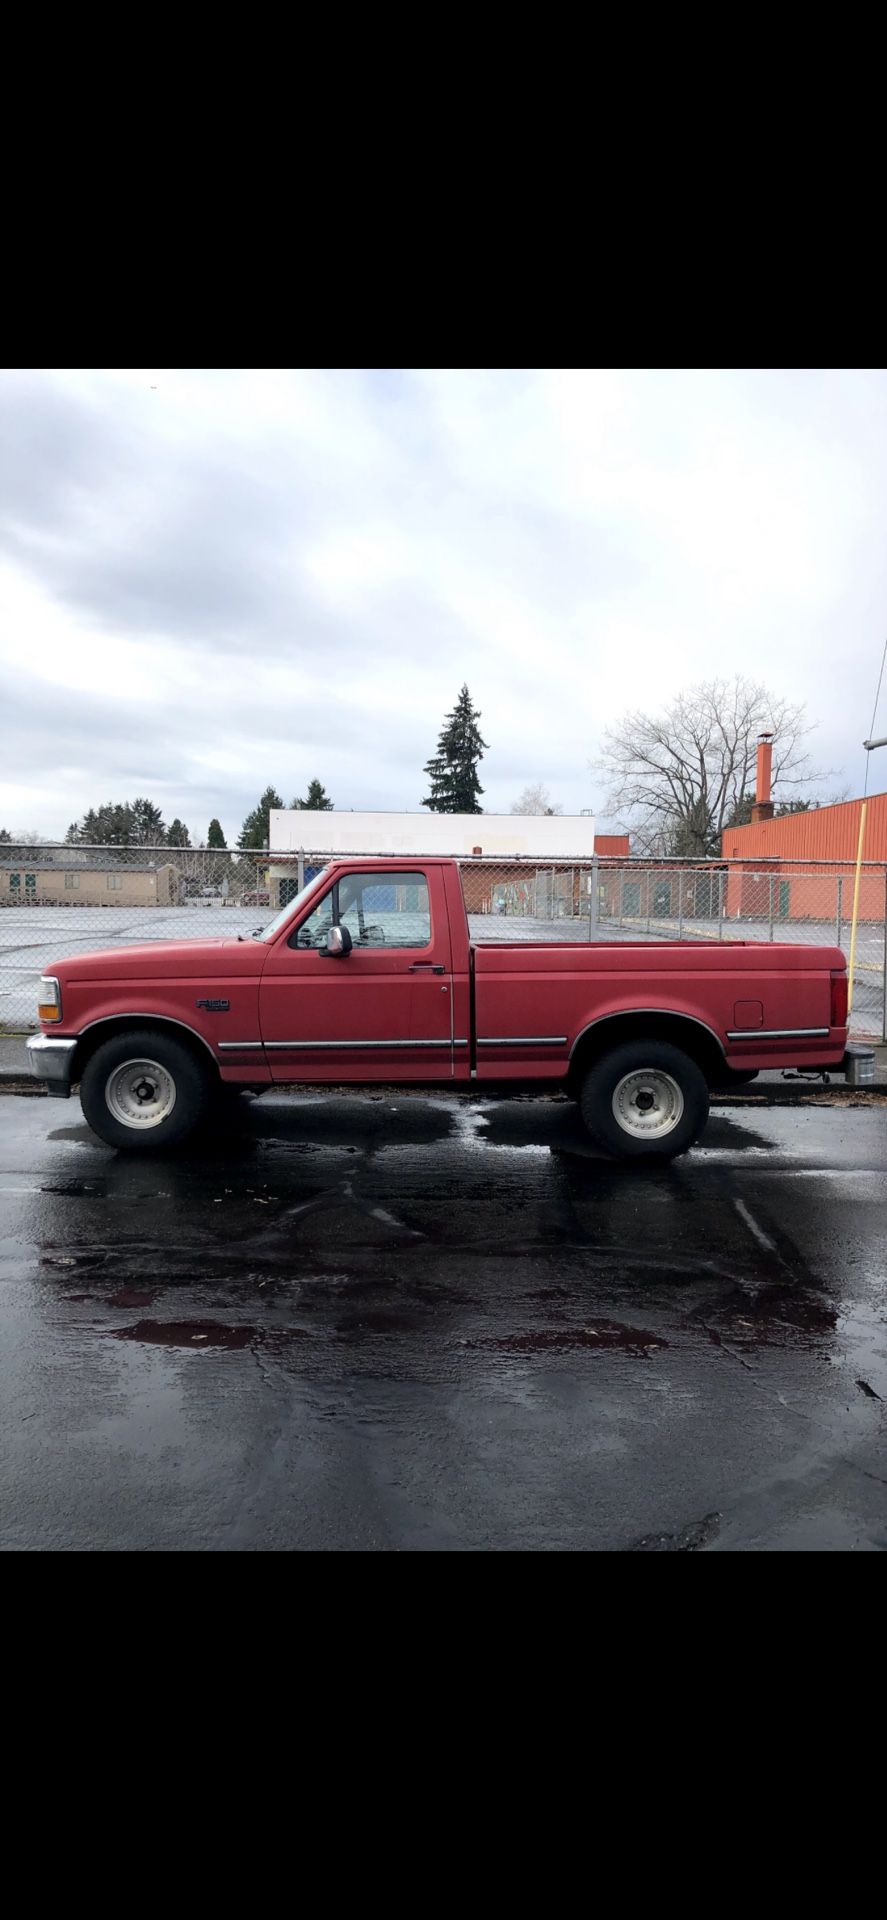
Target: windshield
(292,906)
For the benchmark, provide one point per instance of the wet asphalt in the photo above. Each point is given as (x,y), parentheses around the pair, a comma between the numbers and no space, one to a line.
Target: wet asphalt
(389,1322)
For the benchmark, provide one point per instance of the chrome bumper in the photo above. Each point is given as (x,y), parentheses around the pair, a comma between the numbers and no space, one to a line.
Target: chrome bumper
(859,1066)
(51,1061)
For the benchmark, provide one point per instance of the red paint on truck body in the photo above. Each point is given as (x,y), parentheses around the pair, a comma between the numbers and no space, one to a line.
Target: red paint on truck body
(450,1010)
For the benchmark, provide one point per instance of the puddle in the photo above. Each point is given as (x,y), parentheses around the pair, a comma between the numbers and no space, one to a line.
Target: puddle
(186,1333)
(73,1259)
(603,1335)
(777,1316)
(77,1189)
(689,1540)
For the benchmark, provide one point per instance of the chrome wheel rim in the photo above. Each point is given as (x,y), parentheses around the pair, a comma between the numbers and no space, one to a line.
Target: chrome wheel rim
(140,1093)
(647,1104)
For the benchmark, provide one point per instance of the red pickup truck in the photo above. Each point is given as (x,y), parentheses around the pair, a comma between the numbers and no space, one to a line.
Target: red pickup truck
(370,975)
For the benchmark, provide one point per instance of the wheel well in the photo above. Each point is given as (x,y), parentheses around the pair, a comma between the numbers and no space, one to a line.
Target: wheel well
(693,1039)
(104,1030)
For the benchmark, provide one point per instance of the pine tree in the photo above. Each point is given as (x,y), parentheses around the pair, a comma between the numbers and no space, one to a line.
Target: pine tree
(316,800)
(452,770)
(119,823)
(178,835)
(256,828)
(215,836)
(148,829)
(5,837)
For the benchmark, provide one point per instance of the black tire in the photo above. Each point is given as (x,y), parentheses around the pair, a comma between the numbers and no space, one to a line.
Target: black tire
(182,1089)
(613,1106)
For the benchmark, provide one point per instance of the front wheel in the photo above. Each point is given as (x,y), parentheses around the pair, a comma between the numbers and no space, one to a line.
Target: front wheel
(644,1098)
(143,1090)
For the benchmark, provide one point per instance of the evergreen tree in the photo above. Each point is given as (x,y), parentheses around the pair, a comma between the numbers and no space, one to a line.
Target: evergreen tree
(147,824)
(178,835)
(215,836)
(452,770)
(256,828)
(120,823)
(316,800)
(5,838)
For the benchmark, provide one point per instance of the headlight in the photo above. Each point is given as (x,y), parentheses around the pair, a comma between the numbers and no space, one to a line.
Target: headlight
(49,999)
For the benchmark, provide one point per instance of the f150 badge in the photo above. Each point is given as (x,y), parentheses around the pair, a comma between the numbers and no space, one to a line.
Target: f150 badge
(215,1006)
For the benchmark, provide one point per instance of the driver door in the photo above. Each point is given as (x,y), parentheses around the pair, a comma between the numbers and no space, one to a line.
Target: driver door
(384,1011)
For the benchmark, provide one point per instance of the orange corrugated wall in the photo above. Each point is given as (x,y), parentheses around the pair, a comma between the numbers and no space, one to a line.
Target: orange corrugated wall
(829,833)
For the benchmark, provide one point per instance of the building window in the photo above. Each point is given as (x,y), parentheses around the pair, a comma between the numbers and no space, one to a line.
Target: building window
(30,882)
(72,879)
(15,881)
(115,882)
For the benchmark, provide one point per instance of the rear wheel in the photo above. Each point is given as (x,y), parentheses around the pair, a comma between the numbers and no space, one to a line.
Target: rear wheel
(644,1098)
(144,1090)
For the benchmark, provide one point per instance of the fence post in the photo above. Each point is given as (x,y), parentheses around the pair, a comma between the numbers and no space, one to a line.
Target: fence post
(770,936)
(301,869)
(721,878)
(595,914)
(680,903)
(839,914)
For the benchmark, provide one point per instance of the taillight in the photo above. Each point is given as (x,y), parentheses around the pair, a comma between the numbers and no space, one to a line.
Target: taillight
(839,1000)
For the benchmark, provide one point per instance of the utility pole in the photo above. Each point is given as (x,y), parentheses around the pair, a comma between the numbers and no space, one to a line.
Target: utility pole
(869,746)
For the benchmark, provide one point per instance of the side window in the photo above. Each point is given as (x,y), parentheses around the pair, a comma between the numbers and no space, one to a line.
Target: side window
(314,930)
(393,911)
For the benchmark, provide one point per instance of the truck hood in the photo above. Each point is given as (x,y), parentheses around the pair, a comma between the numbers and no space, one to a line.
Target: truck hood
(166,960)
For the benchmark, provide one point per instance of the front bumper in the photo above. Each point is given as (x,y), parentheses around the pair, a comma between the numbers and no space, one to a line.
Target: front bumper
(52,1060)
(858,1066)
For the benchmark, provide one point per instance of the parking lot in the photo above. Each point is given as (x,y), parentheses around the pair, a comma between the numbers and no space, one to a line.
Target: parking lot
(394,1322)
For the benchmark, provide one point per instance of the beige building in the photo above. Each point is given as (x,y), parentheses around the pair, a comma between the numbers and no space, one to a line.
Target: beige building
(61,883)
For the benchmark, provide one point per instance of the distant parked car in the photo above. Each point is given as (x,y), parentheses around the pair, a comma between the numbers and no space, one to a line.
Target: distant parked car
(262,898)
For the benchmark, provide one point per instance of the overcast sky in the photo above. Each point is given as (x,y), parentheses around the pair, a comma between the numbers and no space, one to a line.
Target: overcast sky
(210,581)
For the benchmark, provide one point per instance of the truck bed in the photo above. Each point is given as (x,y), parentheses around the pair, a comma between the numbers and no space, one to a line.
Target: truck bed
(532,1002)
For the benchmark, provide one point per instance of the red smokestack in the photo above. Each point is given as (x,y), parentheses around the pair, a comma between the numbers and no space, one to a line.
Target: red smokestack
(763,807)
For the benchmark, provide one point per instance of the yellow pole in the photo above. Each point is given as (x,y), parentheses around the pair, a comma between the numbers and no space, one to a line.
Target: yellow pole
(855,908)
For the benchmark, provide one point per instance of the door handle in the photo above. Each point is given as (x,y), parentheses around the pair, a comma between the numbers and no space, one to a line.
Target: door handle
(426,966)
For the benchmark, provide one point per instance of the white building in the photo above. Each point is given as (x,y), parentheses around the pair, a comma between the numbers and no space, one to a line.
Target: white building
(494,835)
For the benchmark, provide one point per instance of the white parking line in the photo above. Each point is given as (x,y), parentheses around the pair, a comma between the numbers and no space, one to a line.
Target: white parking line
(746,1214)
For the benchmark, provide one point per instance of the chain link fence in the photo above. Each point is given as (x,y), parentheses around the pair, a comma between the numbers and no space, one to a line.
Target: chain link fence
(60,900)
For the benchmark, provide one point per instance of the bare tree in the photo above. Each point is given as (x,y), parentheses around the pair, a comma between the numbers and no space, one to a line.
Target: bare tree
(535,799)
(678,779)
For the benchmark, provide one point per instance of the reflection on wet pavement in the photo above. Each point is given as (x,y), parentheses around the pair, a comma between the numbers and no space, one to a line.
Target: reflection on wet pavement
(538,1347)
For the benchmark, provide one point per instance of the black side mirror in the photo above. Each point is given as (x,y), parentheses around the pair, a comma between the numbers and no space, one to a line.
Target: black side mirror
(338,943)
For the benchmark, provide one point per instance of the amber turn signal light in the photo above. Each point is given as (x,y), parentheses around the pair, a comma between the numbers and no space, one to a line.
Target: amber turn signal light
(49,1000)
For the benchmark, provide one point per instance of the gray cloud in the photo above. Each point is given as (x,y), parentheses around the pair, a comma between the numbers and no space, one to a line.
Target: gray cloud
(280,577)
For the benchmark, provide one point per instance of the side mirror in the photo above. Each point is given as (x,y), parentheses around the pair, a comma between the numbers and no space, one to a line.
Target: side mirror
(338,943)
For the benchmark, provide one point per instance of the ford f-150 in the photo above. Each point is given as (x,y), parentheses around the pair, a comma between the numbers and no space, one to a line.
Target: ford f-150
(370,975)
